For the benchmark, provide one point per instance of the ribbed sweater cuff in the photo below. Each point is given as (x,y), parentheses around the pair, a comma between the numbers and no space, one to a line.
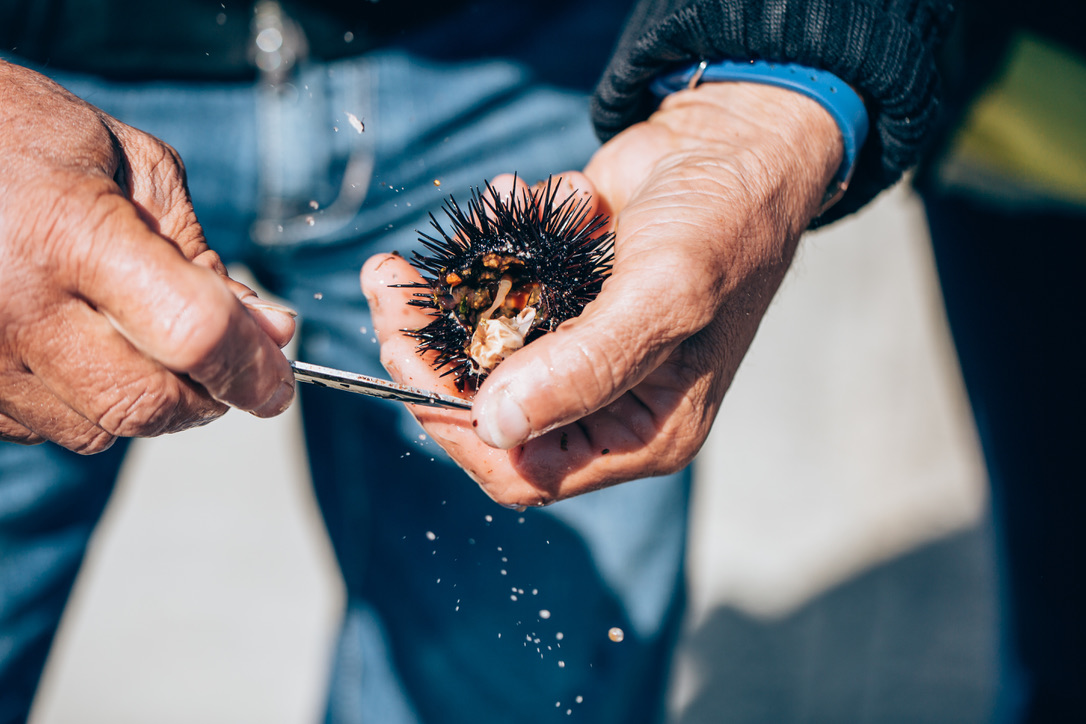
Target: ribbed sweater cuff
(883,48)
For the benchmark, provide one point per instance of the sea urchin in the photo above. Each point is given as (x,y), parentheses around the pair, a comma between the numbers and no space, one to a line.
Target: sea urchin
(509,271)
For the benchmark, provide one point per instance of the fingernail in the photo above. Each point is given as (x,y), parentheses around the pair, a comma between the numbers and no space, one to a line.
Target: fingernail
(278,402)
(264,305)
(502,422)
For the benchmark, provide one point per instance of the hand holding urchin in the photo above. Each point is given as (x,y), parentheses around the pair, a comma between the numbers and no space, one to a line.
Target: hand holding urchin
(511,270)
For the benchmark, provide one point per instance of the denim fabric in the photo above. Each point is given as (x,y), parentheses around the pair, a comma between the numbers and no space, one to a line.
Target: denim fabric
(412,649)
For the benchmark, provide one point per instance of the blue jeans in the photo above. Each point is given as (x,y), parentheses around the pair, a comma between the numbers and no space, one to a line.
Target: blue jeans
(410,649)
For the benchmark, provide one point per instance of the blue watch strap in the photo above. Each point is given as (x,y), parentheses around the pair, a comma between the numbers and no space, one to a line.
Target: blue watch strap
(836,96)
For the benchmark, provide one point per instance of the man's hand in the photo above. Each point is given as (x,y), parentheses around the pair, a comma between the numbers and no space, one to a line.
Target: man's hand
(116,319)
(709,198)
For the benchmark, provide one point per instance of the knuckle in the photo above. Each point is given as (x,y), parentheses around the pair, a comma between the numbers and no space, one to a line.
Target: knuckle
(210,259)
(142,409)
(93,442)
(82,436)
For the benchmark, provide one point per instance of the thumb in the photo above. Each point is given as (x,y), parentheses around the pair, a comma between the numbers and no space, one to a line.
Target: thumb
(581,367)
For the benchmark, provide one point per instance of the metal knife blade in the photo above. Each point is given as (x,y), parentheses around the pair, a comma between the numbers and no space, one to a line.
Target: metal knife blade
(373,386)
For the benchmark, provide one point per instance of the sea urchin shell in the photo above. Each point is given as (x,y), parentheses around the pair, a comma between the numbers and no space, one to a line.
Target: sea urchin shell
(509,271)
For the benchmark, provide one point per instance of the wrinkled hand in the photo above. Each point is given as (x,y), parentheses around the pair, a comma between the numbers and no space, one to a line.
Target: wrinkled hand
(115,317)
(709,197)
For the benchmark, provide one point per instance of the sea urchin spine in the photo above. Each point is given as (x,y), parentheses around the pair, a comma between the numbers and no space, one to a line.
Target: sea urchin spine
(509,271)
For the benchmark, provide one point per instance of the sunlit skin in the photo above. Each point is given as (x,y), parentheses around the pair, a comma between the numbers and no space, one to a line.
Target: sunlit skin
(708,199)
(116,319)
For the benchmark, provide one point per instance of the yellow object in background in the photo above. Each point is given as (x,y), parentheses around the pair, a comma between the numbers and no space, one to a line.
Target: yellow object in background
(1026,134)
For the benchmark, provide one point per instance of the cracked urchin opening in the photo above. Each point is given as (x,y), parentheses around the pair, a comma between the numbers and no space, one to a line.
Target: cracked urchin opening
(508,271)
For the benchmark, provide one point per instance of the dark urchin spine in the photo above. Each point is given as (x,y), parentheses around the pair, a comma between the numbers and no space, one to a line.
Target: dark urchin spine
(507,257)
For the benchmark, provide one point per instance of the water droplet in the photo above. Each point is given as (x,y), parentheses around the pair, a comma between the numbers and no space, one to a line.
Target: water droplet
(616,634)
(269,40)
(504,572)
(318,296)
(513,597)
(437,182)
(489,519)
(310,220)
(544,613)
(348,37)
(355,122)
(579,699)
(561,664)
(559,635)
(430,535)
(314,205)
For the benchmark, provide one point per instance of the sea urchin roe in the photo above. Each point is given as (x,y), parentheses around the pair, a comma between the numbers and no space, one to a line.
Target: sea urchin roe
(496,339)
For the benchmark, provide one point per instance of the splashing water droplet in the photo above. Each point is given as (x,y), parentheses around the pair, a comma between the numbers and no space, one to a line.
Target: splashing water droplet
(355,122)
(616,634)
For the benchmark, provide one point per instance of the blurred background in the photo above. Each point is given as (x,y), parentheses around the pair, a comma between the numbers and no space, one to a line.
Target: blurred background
(841,564)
